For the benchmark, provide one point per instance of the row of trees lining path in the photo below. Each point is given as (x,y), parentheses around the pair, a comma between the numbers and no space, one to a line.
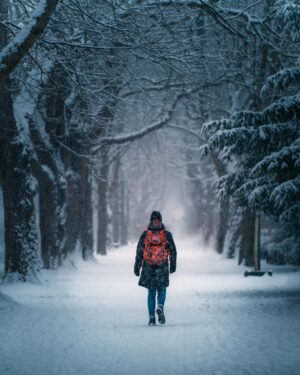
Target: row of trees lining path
(88,89)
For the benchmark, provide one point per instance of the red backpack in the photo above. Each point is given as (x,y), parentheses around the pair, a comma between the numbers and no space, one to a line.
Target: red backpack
(155,250)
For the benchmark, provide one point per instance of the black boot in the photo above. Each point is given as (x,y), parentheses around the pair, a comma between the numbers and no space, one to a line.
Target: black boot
(161,315)
(152,321)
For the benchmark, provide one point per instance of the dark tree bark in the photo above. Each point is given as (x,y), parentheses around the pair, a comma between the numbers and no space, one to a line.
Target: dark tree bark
(222,225)
(242,234)
(124,214)
(50,228)
(79,209)
(21,238)
(50,171)
(119,206)
(235,232)
(86,210)
(115,203)
(102,203)
(52,200)
(106,116)
(247,238)
(72,226)
(224,207)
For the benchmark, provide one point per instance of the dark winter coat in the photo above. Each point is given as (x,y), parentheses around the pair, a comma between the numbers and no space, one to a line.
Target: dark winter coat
(153,276)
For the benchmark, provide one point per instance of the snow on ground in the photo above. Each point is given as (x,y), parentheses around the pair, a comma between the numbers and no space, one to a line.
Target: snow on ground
(93,320)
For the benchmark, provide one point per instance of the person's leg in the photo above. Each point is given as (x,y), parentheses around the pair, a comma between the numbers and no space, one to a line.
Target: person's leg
(151,301)
(161,296)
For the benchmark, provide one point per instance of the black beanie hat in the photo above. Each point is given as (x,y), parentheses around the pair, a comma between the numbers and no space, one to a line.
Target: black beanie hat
(156,215)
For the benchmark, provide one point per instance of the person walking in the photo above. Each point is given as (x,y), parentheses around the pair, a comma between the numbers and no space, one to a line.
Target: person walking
(155,250)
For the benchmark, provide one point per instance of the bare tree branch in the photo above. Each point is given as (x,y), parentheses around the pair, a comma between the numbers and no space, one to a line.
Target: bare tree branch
(141,133)
(17,48)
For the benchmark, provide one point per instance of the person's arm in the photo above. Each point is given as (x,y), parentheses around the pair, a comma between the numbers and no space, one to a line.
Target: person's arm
(173,253)
(139,255)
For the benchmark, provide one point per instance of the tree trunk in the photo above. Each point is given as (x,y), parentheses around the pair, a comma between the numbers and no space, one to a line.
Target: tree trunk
(124,200)
(223,224)
(235,230)
(247,239)
(72,163)
(224,207)
(72,226)
(102,203)
(256,259)
(115,203)
(21,238)
(52,200)
(50,171)
(86,209)
(50,241)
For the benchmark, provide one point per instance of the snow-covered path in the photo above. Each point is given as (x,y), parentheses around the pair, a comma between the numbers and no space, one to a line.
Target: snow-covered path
(94,321)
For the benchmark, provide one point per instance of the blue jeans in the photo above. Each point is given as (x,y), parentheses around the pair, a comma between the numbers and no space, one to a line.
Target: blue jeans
(161,297)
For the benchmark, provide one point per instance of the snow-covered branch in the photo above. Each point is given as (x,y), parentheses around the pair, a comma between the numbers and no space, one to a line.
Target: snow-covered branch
(282,80)
(138,134)
(144,131)
(17,48)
